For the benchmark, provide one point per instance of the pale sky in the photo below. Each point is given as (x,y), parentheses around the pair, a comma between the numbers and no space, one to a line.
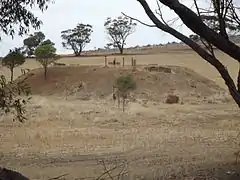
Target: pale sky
(65,14)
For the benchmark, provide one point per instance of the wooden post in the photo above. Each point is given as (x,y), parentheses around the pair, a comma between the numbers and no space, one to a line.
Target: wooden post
(123,61)
(114,62)
(105,61)
(132,61)
(134,64)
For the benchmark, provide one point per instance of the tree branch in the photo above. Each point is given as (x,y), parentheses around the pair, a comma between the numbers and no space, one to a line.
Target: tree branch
(192,21)
(145,24)
(197,48)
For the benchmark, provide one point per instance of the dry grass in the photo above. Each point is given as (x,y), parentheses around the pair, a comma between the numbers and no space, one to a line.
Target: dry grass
(158,139)
(177,58)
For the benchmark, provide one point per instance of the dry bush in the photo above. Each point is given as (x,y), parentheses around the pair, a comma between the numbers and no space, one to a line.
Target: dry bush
(172,99)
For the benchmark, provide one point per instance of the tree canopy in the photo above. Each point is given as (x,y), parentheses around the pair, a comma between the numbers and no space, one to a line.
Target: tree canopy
(45,55)
(13,59)
(32,42)
(77,38)
(118,30)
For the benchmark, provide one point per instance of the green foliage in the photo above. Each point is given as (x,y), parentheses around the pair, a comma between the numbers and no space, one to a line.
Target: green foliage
(16,17)
(17,12)
(10,100)
(48,41)
(77,38)
(118,30)
(124,84)
(45,55)
(13,59)
(32,42)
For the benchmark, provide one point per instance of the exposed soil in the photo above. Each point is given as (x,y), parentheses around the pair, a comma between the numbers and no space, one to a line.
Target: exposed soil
(96,82)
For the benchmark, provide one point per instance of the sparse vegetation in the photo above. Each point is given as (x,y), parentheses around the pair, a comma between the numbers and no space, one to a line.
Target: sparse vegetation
(124,84)
(13,59)
(73,110)
(119,30)
(45,55)
(77,38)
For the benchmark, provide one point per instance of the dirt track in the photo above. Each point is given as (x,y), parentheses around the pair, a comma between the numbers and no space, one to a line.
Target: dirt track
(151,165)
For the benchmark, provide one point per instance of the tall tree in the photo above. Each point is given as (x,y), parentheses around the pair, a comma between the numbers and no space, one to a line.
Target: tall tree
(211,36)
(77,38)
(45,55)
(13,59)
(32,42)
(118,30)
(16,17)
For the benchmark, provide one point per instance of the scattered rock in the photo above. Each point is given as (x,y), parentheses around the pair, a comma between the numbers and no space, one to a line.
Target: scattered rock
(172,99)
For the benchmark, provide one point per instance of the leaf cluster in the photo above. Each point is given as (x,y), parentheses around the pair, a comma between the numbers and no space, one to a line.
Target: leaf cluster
(15,14)
(10,100)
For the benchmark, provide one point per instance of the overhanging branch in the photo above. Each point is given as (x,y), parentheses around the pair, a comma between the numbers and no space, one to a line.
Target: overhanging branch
(192,21)
(145,24)
(197,48)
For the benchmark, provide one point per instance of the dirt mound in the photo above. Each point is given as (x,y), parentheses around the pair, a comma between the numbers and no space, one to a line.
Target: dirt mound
(96,82)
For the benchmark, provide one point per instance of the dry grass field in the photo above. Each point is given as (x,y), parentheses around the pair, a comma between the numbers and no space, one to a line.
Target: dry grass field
(70,128)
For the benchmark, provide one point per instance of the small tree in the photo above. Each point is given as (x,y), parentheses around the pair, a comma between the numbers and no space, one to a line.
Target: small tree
(13,59)
(118,30)
(124,84)
(77,38)
(45,55)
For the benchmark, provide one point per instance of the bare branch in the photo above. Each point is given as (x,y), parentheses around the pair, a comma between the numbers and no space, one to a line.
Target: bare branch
(193,21)
(145,24)
(182,12)
(58,177)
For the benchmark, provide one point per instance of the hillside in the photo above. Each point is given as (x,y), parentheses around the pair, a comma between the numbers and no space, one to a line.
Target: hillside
(96,82)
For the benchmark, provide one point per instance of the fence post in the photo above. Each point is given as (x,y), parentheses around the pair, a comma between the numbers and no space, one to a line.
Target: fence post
(123,61)
(105,61)
(132,61)
(134,64)
(114,62)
